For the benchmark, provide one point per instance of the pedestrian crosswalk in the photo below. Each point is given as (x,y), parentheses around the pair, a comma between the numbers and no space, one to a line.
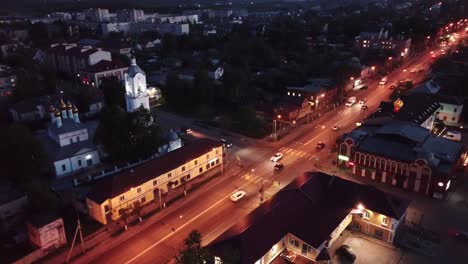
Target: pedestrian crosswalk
(287,152)
(252,178)
(298,153)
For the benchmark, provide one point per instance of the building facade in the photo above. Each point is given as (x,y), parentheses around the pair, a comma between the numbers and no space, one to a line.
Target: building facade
(46,232)
(71,58)
(67,143)
(93,75)
(402,155)
(136,93)
(153,180)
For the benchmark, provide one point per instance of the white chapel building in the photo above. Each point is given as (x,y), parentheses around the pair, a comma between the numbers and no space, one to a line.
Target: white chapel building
(136,93)
(68,142)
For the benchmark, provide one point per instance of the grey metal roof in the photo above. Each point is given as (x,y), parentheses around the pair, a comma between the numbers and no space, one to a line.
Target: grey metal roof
(68,125)
(407,130)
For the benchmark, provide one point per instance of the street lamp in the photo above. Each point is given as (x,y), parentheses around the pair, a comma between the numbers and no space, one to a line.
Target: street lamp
(274,126)
(373,68)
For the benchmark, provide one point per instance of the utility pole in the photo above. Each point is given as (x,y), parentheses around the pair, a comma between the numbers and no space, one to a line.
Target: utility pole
(262,191)
(78,229)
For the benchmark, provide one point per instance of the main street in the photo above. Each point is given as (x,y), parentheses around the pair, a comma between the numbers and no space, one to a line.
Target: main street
(209,209)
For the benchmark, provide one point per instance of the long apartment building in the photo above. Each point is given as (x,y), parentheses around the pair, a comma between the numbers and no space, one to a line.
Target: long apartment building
(154,180)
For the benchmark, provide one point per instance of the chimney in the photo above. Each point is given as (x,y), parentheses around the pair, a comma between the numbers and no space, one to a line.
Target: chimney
(76,117)
(58,119)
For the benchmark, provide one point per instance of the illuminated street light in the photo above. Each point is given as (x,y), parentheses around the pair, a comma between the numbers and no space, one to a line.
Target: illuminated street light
(441,184)
(352,78)
(390,58)
(373,68)
(360,206)
(428,37)
(402,54)
(404,70)
(278,116)
(322,95)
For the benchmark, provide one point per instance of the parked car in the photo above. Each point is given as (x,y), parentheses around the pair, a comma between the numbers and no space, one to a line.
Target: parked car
(278,167)
(226,143)
(453,135)
(346,252)
(320,145)
(276,157)
(336,127)
(237,196)
(362,101)
(364,107)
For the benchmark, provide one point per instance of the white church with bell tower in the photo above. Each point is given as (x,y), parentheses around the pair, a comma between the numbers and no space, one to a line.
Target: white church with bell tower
(136,93)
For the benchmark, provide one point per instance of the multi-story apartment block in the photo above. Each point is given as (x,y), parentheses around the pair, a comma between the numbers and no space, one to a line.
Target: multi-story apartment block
(71,58)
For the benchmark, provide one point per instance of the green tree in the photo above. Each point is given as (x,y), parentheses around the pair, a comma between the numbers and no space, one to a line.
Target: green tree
(114,92)
(193,253)
(169,45)
(82,98)
(23,156)
(128,136)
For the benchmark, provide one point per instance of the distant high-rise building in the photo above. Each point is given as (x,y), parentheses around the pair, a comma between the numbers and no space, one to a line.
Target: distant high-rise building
(137,15)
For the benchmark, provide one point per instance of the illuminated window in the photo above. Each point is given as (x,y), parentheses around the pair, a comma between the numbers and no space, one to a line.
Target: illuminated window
(294,242)
(385,221)
(155,182)
(139,190)
(169,175)
(183,168)
(195,162)
(122,198)
(366,215)
(200,170)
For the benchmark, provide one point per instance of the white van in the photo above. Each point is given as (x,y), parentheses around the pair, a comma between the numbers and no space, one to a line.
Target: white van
(453,135)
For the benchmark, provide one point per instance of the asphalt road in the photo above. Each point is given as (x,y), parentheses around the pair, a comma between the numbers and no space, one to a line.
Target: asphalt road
(209,209)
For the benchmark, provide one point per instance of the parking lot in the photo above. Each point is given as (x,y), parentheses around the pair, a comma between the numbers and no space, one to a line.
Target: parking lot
(367,249)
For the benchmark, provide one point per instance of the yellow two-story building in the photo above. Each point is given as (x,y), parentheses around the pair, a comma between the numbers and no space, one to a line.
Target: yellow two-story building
(154,180)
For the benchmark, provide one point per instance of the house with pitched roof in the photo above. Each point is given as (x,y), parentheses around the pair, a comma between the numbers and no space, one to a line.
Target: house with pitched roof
(307,216)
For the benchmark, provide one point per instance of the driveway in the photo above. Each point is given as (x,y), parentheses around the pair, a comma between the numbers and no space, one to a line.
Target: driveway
(367,249)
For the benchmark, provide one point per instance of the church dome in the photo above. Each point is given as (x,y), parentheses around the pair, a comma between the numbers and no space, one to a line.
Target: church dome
(69,105)
(57,113)
(75,109)
(134,69)
(62,104)
(172,136)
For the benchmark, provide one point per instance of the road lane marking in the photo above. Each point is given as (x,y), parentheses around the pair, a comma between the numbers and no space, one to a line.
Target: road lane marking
(182,226)
(288,150)
(257,180)
(281,149)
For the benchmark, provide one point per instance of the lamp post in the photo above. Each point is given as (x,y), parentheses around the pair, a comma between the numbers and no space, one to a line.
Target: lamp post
(274,126)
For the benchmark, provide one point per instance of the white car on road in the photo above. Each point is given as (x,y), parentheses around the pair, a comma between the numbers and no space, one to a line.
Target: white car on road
(277,157)
(237,196)
(336,127)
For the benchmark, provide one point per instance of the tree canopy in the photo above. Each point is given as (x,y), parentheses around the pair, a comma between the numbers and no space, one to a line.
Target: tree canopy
(128,136)
(114,92)
(193,253)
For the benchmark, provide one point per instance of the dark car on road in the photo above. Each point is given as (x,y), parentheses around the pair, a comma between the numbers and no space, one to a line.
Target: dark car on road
(278,167)
(226,143)
(320,145)
(346,252)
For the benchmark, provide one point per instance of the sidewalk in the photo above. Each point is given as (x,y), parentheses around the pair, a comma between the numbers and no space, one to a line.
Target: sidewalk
(114,234)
